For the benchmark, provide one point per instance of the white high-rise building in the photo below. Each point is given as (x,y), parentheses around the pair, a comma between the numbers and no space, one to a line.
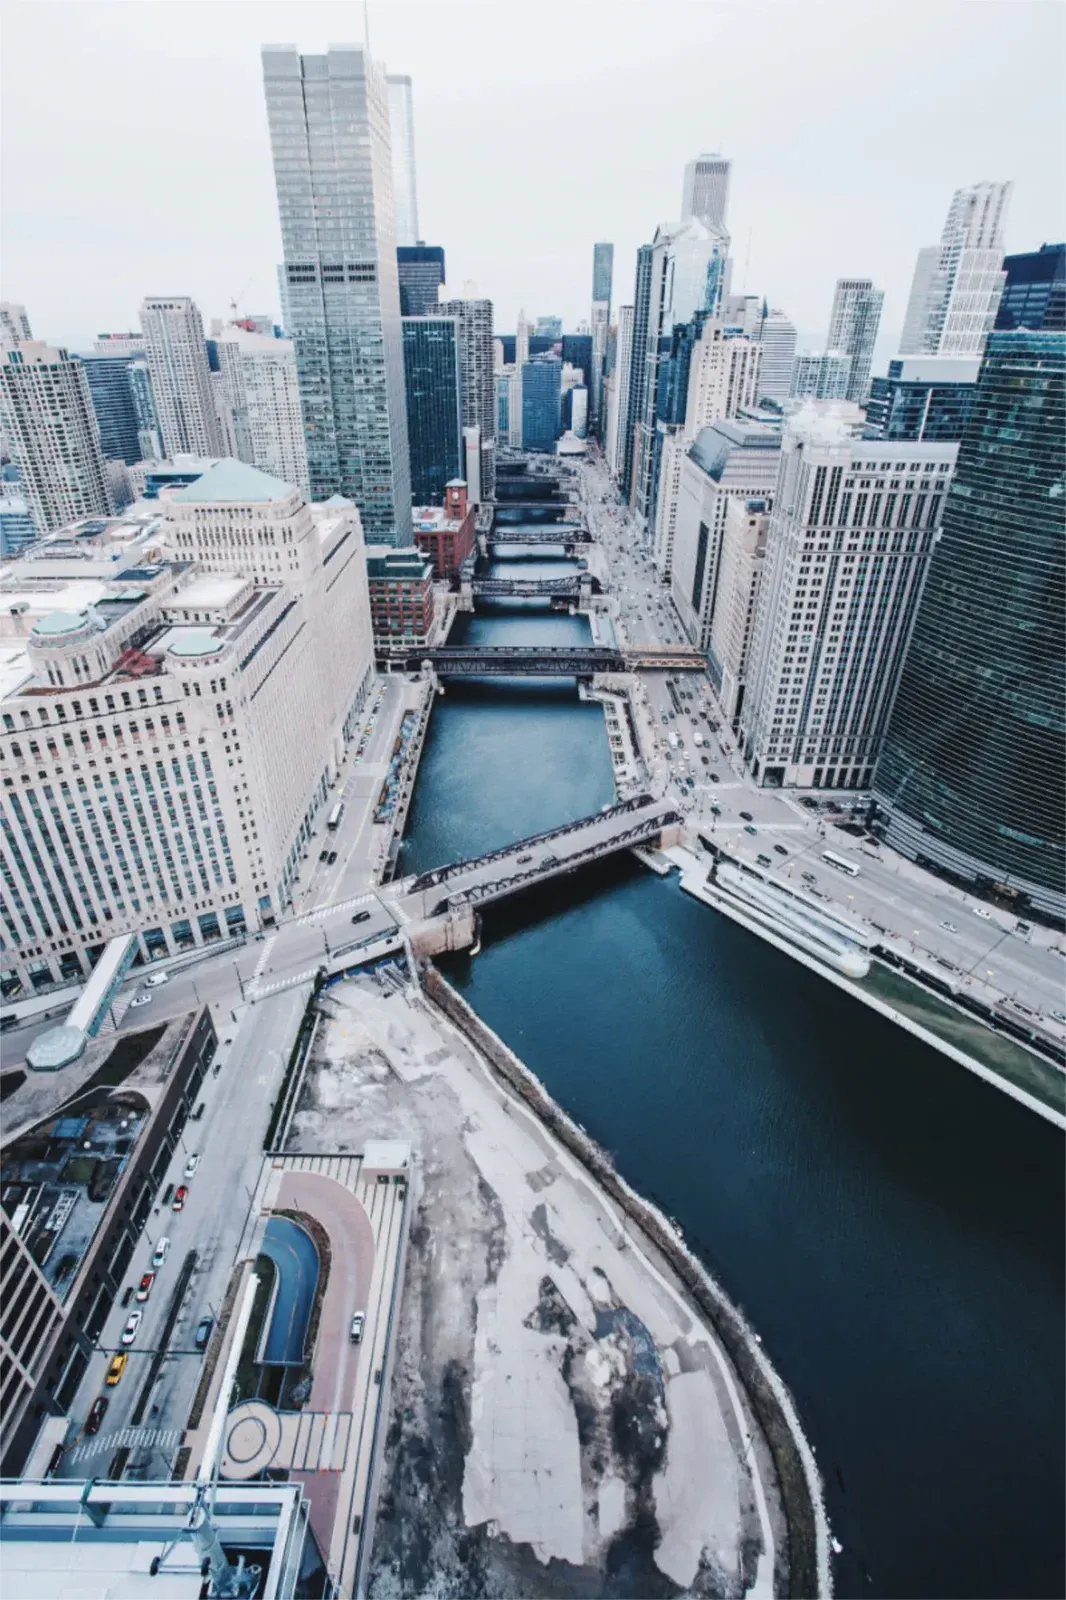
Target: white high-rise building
(48,420)
(705,193)
(402,138)
(777,335)
(954,298)
(851,533)
(733,619)
(744,312)
(728,461)
(173,747)
(621,380)
(821,377)
(474,332)
(181,378)
(130,345)
(262,395)
(853,324)
(14,323)
(329,133)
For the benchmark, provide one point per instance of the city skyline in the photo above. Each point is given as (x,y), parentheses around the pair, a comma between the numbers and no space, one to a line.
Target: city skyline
(853,212)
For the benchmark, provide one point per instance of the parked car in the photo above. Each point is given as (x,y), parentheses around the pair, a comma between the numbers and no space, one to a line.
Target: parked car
(358,1324)
(144,1288)
(361,916)
(133,1322)
(117,1368)
(159,1255)
(96,1413)
(203,1332)
(331,858)
(191,1165)
(181,1194)
(323,855)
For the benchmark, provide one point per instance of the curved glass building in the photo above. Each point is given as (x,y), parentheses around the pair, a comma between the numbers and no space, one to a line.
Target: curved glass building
(970,777)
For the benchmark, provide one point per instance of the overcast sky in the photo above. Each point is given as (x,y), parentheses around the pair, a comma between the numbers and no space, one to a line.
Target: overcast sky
(136,159)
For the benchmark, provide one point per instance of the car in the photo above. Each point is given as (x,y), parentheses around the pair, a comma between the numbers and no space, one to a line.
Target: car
(808,877)
(133,1322)
(358,1324)
(144,1288)
(191,1165)
(705,760)
(781,850)
(982,912)
(331,858)
(198,1113)
(96,1413)
(524,860)
(156,979)
(764,860)
(323,855)
(361,916)
(203,1332)
(140,1000)
(747,816)
(748,827)
(117,1368)
(949,927)
(715,778)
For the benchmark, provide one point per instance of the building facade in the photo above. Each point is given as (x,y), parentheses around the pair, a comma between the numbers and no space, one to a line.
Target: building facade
(821,377)
(114,405)
(729,461)
(130,345)
(550,327)
(14,323)
(1034,293)
(777,335)
(402,141)
(149,434)
(733,619)
(261,399)
(329,133)
(47,417)
(176,353)
(854,319)
(401,599)
(621,379)
(473,319)
(957,284)
(434,404)
(162,778)
(970,780)
(627,425)
(541,391)
(445,533)
(705,192)
(851,533)
(17,527)
(922,397)
(420,268)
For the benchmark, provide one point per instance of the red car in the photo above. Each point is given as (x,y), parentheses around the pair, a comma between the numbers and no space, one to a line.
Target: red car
(180,1197)
(144,1288)
(96,1414)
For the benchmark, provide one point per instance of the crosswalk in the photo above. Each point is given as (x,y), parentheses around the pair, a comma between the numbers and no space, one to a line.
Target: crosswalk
(264,956)
(166,1439)
(331,911)
(261,990)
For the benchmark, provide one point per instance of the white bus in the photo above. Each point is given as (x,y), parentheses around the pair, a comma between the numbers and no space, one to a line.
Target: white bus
(840,863)
(335,816)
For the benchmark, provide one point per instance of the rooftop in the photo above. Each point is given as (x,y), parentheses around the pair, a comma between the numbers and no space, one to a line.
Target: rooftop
(232,482)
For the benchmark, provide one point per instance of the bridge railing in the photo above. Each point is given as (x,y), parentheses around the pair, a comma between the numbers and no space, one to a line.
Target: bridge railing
(438,875)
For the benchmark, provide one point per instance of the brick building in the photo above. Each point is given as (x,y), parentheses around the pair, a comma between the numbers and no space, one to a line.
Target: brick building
(446,533)
(401,598)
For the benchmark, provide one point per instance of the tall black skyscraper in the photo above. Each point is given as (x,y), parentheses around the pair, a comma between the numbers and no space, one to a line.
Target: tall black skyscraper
(433,381)
(421,272)
(970,777)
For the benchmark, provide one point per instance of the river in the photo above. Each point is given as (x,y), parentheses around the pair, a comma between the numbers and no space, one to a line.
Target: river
(892,1225)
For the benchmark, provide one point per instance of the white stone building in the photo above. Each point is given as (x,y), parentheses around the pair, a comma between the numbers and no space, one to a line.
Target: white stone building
(729,461)
(957,284)
(777,335)
(262,399)
(854,319)
(176,696)
(181,378)
(733,619)
(824,376)
(48,420)
(14,323)
(851,532)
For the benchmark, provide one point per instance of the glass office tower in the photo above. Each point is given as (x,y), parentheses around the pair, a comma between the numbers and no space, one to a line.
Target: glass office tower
(329,136)
(1034,295)
(113,402)
(421,271)
(970,778)
(434,384)
(541,388)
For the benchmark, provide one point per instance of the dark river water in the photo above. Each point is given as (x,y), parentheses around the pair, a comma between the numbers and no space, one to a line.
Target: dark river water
(891,1225)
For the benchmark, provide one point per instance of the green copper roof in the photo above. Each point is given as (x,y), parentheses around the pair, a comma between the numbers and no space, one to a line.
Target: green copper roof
(232,482)
(190,645)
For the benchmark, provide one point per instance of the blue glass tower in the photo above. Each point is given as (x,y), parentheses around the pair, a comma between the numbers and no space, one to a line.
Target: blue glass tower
(116,413)
(432,380)
(971,776)
(420,268)
(1034,295)
(541,385)
(923,397)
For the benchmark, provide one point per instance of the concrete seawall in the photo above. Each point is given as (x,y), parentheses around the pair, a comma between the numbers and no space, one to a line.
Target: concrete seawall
(800,1485)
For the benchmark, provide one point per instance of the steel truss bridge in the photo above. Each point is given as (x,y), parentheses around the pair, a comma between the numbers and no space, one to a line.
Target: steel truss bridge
(550,533)
(548,661)
(568,588)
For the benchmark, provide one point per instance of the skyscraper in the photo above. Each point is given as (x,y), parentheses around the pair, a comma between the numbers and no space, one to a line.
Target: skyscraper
(777,335)
(46,414)
(1034,295)
(549,327)
(971,775)
(434,396)
(541,380)
(402,138)
(706,191)
(922,397)
(113,403)
(851,534)
(853,323)
(149,437)
(957,284)
(821,377)
(602,272)
(615,444)
(14,323)
(421,272)
(476,360)
(329,134)
(181,379)
(261,395)
(634,405)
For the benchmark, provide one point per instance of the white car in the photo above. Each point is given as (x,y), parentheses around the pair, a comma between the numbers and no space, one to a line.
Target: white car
(191,1166)
(133,1322)
(140,1000)
(156,979)
(980,911)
